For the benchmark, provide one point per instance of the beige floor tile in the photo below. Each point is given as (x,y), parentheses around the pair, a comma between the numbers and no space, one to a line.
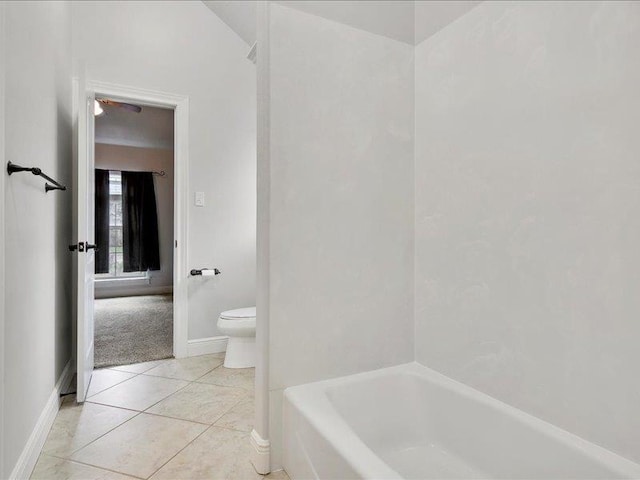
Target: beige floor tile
(105,378)
(139,393)
(52,468)
(240,417)
(78,425)
(231,377)
(190,368)
(251,395)
(140,446)
(139,367)
(199,402)
(216,454)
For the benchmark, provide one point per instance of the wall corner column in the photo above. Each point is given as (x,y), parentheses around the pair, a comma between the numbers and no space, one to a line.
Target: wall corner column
(260,455)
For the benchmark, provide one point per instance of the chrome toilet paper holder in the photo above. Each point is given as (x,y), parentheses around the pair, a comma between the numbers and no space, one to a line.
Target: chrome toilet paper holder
(196,272)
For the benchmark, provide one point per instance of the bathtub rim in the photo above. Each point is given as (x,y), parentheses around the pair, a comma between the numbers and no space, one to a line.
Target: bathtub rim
(311,399)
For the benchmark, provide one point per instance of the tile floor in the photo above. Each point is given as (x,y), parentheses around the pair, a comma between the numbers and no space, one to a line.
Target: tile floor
(169,419)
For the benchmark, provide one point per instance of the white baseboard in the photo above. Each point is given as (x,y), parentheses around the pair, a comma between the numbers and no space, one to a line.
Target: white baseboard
(31,451)
(260,453)
(204,346)
(131,291)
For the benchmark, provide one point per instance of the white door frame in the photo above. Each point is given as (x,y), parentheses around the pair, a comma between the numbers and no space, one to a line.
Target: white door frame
(180,105)
(2,183)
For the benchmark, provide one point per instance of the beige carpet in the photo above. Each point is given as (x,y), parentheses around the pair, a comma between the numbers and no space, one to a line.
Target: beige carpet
(133,329)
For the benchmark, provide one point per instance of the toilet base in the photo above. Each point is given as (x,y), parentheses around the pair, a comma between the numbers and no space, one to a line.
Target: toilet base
(241,352)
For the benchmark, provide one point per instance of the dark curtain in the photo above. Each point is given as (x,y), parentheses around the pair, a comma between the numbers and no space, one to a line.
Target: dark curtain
(140,243)
(102,221)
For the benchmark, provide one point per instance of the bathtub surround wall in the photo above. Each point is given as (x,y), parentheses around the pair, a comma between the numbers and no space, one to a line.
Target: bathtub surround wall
(526,204)
(341,203)
(36,67)
(528,211)
(183,48)
(120,157)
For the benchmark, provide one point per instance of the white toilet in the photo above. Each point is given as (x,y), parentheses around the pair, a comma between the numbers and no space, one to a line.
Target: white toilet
(240,326)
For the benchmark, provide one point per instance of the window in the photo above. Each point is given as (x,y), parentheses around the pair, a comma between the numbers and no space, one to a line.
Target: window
(115,224)
(115,228)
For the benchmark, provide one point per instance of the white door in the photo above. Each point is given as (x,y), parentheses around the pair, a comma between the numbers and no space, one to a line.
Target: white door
(85,238)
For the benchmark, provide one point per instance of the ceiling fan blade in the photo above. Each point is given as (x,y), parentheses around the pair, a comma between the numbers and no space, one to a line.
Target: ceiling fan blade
(127,106)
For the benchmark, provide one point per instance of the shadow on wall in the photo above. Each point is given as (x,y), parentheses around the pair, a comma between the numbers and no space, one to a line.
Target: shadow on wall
(63,238)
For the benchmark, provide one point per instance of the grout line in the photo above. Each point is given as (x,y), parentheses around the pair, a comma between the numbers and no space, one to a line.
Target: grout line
(223,385)
(120,472)
(180,451)
(209,427)
(167,378)
(241,399)
(131,378)
(111,386)
(105,433)
(252,388)
(246,432)
(238,402)
(164,398)
(119,368)
(157,364)
(146,373)
(214,368)
(135,416)
(177,418)
(99,468)
(229,410)
(183,379)
(113,406)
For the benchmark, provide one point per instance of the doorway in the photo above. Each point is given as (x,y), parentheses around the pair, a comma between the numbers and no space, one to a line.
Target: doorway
(134,225)
(86,94)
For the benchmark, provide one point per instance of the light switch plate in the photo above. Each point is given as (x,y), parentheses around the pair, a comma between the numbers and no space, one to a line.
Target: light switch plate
(199,199)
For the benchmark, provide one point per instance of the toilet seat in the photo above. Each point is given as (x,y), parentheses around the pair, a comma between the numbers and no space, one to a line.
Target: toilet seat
(238,313)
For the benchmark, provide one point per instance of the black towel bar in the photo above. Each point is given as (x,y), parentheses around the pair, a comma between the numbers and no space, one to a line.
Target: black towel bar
(13,168)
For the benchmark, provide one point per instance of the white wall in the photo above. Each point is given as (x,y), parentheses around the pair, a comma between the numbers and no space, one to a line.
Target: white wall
(405,20)
(341,203)
(391,18)
(181,47)
(37,308)
(528,211)
(120,157)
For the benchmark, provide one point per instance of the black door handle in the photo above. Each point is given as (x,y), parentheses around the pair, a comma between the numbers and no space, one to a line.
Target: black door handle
(82,247)
(77,246)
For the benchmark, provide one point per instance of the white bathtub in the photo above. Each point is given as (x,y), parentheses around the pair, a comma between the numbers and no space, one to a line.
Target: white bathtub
(411,422)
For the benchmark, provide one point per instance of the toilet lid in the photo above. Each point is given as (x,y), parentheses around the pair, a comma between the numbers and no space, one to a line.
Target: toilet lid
(249,312)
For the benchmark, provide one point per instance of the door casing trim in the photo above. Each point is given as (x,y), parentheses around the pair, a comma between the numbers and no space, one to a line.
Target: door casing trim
(180,106)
